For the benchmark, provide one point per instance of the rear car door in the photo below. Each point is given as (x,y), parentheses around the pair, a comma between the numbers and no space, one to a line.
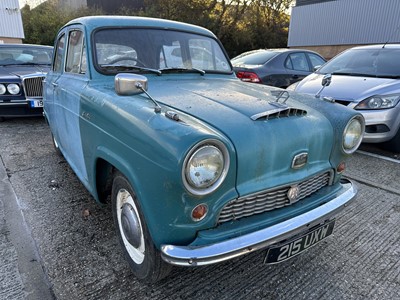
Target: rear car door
(297,66)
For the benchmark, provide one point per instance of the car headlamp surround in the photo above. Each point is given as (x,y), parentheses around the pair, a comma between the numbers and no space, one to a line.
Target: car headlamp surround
(353,134)
(379,102)
(205,167)
(3,89)
(13,88)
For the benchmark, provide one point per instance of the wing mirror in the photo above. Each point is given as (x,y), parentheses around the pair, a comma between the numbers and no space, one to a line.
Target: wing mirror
(326,81)
(132,84)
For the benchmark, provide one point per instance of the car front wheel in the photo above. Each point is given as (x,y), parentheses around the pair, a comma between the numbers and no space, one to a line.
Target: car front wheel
(133,234)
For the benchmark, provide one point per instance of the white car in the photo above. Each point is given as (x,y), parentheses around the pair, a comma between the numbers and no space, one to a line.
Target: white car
(366,79)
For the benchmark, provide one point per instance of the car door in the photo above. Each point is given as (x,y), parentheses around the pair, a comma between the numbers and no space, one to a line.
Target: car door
(68,89)
(297,67)
(51,84)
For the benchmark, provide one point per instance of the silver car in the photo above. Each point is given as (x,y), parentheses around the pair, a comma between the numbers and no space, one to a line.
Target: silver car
(366,79)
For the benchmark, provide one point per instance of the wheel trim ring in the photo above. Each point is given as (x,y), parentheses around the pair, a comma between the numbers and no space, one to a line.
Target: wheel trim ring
(136,254)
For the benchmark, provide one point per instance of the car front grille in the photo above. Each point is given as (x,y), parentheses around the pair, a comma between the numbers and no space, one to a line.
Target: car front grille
(271,199)
(33,87)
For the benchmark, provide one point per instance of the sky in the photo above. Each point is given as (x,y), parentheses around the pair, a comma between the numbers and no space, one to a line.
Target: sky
(31,3)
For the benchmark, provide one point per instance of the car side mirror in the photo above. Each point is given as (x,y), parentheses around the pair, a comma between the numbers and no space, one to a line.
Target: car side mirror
(326,81)
(130,84)
(317,67)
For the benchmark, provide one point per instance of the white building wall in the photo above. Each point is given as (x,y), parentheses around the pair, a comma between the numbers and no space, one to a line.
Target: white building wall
(11,29)
(345,22)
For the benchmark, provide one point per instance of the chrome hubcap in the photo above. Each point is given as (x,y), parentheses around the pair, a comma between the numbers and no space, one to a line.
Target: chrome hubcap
(130,225)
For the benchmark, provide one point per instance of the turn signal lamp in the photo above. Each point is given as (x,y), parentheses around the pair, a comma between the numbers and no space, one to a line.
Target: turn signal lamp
(341,167)
(199,212)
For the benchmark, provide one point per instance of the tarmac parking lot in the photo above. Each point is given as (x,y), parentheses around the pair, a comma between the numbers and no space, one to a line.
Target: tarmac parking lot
(57,243)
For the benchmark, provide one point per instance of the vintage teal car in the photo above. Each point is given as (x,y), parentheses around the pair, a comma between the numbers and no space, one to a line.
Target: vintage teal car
(200,167)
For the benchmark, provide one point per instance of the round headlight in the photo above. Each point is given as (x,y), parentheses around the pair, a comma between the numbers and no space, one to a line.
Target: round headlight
(205,167)
(2,89)
(13,89)
(353,134)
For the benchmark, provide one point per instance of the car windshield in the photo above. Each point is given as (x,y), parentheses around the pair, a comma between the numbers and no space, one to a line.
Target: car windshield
(254,58)
(25,55)
(154,50)
(382,62)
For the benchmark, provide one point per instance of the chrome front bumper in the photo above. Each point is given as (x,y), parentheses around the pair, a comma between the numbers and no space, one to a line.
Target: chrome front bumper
(214,253)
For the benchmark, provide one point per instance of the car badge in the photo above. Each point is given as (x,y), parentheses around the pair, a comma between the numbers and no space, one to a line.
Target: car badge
(293,194)
(300,160)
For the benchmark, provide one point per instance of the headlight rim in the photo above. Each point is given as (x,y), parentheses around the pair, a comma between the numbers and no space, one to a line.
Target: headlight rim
(361,120)
(226,161)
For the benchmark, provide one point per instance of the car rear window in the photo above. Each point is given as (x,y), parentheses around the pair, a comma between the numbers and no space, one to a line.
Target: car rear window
(255,58)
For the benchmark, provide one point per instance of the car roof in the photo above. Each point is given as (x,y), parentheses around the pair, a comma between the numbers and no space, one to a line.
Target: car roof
(378,46)
(93,22)
(280,50)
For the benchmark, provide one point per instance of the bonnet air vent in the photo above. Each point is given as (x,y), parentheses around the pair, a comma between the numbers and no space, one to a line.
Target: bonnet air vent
(279,113)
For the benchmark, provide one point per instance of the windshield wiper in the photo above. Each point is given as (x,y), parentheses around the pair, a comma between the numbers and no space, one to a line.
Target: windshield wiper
(126,68)
(25,64)
(202,72)
(354,74)
(388,76)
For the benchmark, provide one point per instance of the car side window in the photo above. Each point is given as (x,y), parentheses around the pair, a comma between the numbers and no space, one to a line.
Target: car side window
(297,61)
(315,60)
(59,53)
(74,53)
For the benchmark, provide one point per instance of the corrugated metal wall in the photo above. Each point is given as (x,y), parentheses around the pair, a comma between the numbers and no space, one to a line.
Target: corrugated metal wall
(10,19)
(345,22)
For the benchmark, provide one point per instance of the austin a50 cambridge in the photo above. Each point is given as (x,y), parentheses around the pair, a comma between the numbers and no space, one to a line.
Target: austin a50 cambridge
(200,167)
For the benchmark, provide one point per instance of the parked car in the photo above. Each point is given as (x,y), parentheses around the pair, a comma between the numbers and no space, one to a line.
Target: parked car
(276,67)
(22,70)
(366,79)
(199,166)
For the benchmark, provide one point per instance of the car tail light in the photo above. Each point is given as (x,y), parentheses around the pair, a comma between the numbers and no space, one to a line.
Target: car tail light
(248,76)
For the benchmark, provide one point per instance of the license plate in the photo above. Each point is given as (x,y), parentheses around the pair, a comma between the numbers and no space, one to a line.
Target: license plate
(287,250)
(36,103)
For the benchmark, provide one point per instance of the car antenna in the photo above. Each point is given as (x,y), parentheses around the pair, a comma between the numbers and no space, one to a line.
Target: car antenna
(397,29)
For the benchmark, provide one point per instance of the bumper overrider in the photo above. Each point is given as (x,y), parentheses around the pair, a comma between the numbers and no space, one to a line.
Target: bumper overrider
(262,239)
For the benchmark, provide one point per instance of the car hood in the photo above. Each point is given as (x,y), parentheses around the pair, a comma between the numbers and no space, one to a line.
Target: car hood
(348,88)
(265,149)
(22,71)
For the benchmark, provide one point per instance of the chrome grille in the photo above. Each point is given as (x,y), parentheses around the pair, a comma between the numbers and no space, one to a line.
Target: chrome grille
(270,199)
(33,87)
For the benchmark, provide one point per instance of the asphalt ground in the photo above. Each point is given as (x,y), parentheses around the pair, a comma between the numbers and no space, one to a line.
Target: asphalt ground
(57,243)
